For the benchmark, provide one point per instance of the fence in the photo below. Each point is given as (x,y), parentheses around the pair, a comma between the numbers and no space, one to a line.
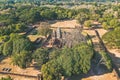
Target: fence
(37,77)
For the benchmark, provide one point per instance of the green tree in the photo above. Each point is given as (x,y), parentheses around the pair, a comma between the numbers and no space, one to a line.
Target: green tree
(44,29)
(22,59)
(81,18)
(62,13)
(54,54)
(4,38)
(41,56)
(33,16)
(68,62)
(28,15)
(1,49)
(71,61)
(8,78)
(86,53)
(114,23)
(20,27)
(105,25)
(8,48)
(107,60)
(95,17)
(48,14)
(88,23)
(21,44)
(51,70)
(112,38)
(19,48)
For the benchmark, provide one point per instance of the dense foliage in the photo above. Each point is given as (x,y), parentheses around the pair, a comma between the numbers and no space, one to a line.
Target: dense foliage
(41,56)
(55,63)
(106,59)
(107,15)
(67,62)
(88,23)
(19,48)
(49,1)
(9,78)
(44,29)
(28,14)
(6,30)
(112,38)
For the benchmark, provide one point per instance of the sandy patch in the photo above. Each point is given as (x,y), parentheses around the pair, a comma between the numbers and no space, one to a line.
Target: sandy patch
(65,24)
(93,35)
(115,51)
(34,37)
(6,63)
(101,32)
(108,76)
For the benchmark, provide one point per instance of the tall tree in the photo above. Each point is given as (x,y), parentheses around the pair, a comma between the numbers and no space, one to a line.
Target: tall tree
(22,59)
(41,56)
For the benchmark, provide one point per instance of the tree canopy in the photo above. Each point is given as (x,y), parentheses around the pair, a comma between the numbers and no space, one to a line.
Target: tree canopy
(112,38)
(19,48)
(76,60)
(8,78)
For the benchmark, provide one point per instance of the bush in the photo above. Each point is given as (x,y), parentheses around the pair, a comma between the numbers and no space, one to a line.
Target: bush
(67,62)
(44,30)
(8,48)
(112,38)
(88,23)
(107,60)
(19,48)
(22,59)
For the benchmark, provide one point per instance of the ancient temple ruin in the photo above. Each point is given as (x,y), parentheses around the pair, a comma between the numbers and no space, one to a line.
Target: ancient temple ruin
(61,38)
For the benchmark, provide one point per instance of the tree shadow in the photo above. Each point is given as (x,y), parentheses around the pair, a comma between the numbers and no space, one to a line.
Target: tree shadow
(101,69)
(2,57)
(35,66)
(116,62)
(92,36)
(52,21)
